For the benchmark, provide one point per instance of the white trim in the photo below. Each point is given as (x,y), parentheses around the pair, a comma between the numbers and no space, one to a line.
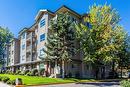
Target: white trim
(40,11)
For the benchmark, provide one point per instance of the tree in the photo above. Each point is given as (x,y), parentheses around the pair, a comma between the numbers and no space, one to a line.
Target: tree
(60,42)
(124,55)
(5,37)
(101,37)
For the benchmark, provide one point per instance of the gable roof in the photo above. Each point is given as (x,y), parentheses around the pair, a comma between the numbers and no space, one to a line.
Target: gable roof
(23,30)
(64,7)
(42,12)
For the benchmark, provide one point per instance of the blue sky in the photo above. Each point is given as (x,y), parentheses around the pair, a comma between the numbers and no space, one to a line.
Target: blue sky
(17,14)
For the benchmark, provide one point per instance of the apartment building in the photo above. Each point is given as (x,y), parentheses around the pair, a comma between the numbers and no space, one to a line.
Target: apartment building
(32,42)
(12,54)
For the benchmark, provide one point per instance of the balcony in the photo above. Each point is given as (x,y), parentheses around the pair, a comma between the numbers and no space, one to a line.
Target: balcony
(34,57)
(33,34)
(28,48)
(34,40)
(29,36)
(28,58)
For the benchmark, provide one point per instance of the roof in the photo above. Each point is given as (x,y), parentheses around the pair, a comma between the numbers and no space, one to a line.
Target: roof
(64,6)
(24,29)
(42,11)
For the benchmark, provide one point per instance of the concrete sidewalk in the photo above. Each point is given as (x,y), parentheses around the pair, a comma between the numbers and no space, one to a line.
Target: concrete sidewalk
(4,85)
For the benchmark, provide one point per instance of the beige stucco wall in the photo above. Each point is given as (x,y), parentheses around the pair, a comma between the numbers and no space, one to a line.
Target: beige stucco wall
(42,30)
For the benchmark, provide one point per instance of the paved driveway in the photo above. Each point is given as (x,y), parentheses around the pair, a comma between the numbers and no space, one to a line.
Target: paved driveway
(92,84)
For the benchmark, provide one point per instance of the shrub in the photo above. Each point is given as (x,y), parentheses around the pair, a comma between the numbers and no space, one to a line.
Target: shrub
(34,72)
(70,75)
(5,79)
(125,83)
(25,72)
(3,71)
(1,78)
(77,75)
(28,74)
(12,82)
(9,82)
(21,73)
(10,72)
(41,71)
(18,72)
(7,71)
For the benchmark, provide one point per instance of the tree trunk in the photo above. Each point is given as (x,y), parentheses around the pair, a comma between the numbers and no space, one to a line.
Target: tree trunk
(63,69)
(97,72)
(102,72)
(56,68)
(113,69)
(121,71)
(47,66)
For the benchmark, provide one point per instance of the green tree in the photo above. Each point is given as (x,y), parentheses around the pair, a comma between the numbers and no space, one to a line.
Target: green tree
(124,55)
(101,37)
(5,37)
(60,42)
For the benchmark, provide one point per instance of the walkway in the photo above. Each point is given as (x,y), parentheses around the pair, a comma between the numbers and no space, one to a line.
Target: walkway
(90,84)
(4,85)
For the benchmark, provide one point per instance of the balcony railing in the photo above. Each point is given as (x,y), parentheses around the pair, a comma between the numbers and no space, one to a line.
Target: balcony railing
(28,58)
(34,57)
(28,47)
(29,35)
(34,40)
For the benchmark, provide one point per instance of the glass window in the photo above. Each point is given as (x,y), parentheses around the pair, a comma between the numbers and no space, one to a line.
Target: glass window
(23,46)
(41,52)
(23,36)
(12,60)
(12,52)
(23,57)
(42,22)
(36,41)
(42,37)
(88,25)
(73,19)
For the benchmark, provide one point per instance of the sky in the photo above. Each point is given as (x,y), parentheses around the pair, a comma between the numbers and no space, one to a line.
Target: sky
(17,14)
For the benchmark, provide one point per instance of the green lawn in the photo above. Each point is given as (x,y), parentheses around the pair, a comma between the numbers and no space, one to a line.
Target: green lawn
(34,80)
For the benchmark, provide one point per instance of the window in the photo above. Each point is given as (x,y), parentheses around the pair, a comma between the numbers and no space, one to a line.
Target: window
(12,52)
(36,41)
(23,36)
(41,52)
(12,43)
(12,61)
(74,20)
(42,37)
(42,22)
(36,30)
(23,57)
(23,46)
(88,25)
(73,66)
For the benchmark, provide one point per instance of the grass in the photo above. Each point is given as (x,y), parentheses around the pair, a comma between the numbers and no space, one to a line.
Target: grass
(34,80)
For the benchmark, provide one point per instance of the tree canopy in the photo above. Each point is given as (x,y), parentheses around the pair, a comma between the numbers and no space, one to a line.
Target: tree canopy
(5,37)
(60,40)
(101,37)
